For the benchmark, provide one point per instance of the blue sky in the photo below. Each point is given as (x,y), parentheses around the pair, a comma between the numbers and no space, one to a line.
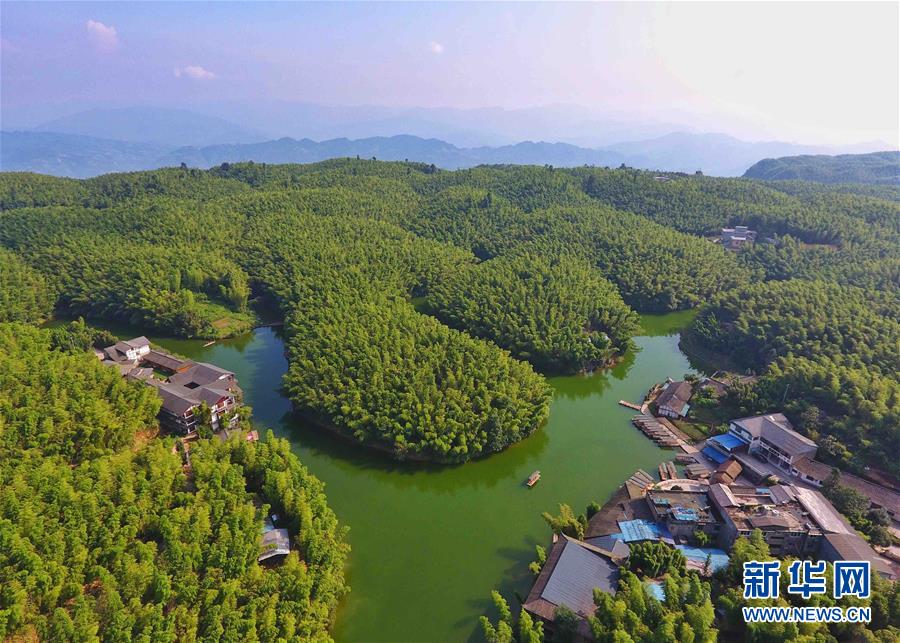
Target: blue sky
(809,72)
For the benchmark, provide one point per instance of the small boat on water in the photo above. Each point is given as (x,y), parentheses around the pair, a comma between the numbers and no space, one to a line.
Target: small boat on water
(533,479)
(209,343)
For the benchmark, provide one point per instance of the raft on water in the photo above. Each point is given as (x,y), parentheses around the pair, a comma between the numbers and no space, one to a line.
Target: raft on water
(533,478)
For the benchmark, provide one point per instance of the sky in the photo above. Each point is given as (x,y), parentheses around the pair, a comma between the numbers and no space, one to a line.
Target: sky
(819,73)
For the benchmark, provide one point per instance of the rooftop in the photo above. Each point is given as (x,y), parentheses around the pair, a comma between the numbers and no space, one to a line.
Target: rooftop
(685,506)
(779,507)
(572,571)
(275,542)
(776,429)
(200,374)
(853,547)
(165,360)
(675,396)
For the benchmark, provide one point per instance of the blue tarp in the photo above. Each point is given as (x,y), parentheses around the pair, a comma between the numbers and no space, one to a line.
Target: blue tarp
(718,558)
(682,513)
(727,441)
(714,455)
(636,530)
(655,589)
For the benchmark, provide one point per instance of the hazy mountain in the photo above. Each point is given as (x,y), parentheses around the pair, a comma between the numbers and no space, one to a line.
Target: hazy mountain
(717,154)
(878,167)
(80,156)
(72,155)
(488,126)
(393,148)
(161,126)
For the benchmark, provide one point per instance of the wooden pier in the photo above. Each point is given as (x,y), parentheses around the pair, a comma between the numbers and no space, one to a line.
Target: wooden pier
(629,405)
(659,433)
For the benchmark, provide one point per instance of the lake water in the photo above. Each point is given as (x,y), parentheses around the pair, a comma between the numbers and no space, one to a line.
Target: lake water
(431,542)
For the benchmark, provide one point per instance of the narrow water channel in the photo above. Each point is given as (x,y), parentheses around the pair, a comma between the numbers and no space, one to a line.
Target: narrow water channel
(429,543)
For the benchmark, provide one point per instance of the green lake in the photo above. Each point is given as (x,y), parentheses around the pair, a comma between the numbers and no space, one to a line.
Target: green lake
(430,543)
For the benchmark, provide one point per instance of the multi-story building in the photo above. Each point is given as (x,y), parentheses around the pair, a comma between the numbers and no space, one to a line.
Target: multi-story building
(771,438)
(185,391)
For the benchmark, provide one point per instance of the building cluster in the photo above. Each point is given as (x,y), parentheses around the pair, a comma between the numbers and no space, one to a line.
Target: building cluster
(737,237)
(183,385)
(793,519)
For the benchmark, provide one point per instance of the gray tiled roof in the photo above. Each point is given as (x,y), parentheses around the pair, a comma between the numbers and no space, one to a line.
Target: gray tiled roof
(675,396)
(777,429)
(201,374)
(577,572)
(176,399)
(853,547)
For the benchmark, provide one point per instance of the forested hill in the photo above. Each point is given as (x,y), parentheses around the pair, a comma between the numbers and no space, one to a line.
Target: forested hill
(877,167)
(424,307)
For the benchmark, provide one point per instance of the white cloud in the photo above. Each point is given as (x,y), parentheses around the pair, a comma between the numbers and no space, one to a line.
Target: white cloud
(103,37)
(194,71)
(435,47)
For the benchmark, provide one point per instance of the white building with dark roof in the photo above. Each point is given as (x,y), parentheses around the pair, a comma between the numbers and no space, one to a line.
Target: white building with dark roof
(772,438)
(131,350)
(673,401)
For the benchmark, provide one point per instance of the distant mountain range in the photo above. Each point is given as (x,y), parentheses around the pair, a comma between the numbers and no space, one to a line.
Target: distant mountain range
(157,125)
(877,167)
(98,141)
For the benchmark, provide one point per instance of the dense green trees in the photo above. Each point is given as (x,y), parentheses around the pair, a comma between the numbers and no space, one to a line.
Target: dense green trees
(65,404)
(104,534)
(523,630)
(654,559)
(853,413)
(140,264)
(632,614)
(875,167)
(654,268)
(24,293)
(561,315)
(759,323)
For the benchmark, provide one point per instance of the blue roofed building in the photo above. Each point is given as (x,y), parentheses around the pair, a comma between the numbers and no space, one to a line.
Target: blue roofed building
(720,448)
